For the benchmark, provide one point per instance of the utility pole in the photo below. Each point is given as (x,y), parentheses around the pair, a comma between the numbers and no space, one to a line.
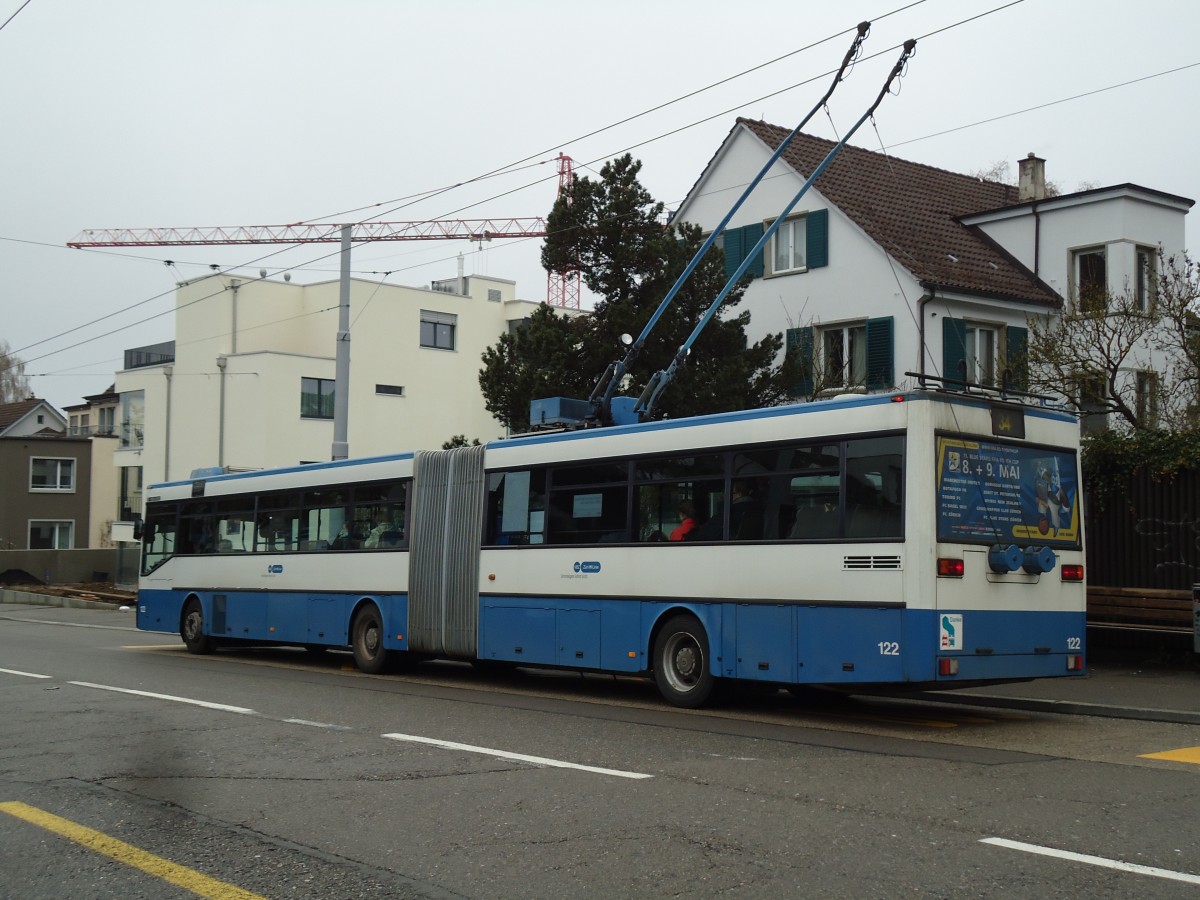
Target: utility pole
(341,387)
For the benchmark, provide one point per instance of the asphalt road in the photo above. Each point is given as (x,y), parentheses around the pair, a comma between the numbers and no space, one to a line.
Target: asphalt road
(284,775)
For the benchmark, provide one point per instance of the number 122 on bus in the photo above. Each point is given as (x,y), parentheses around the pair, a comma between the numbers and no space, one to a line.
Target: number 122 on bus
(888,539)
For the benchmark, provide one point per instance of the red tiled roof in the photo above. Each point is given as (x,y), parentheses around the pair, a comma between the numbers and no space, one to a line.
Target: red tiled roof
(11,412)
(910,209)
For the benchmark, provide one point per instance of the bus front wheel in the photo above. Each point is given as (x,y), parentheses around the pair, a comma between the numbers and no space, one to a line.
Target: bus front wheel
(681,668)
(191,629)
(369,653)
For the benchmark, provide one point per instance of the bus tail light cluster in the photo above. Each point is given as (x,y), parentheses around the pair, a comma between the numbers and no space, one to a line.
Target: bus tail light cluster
(1075,662)
(947,665)
(1072,572)
(950,568)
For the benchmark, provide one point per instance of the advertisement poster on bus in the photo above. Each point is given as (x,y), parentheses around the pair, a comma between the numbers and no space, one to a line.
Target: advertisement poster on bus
(1006,493)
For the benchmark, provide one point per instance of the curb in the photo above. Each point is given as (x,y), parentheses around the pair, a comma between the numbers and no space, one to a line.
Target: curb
(1064,707)
(28,598)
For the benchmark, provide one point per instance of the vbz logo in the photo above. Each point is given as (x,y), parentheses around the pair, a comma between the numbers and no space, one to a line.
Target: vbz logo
(275,569)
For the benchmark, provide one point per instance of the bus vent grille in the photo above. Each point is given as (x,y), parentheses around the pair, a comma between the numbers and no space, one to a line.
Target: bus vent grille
(871,562)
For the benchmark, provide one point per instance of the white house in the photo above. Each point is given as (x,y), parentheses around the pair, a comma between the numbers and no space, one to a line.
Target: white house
(888,266)
(248,382)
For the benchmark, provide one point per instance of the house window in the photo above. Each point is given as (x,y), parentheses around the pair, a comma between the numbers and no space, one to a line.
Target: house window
(133,419)
(789,245)
(106,415)
(51,474)
(981,354)
(316,398)
(1093,404)
(394,390)
(46,535)
(437,329)
(844,355)
(1090,271)
(1146,387)
(1146,279)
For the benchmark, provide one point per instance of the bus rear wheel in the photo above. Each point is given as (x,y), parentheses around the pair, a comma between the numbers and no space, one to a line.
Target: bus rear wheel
(681,668)
(191,629)
(367,641)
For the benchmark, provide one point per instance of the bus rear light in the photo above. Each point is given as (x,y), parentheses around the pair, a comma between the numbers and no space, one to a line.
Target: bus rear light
(950,568)
(947,666)
(1072,573)
(1075,662)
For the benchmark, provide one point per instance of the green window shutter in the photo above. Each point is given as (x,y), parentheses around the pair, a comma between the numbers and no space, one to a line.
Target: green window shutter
(1016,356)
(879,353)
(816,227)
(800,341)
(954,350)
(750,236)
(733,245)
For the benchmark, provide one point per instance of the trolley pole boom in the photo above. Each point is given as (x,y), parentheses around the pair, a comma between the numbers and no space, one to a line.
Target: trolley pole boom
(662,378)
(601,397)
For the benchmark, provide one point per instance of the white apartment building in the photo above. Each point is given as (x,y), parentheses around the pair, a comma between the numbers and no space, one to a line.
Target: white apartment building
(249,380)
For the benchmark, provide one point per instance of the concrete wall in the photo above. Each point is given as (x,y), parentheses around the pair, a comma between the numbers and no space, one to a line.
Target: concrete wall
(62,566)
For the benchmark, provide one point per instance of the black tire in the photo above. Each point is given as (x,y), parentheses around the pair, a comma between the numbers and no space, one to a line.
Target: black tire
(191,629)
(681,668)
(367,641)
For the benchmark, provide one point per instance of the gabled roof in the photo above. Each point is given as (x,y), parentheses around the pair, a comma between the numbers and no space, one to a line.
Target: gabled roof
(12,413)
(910,210)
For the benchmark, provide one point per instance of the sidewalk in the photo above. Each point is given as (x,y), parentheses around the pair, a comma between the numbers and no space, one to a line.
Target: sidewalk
(1117,685)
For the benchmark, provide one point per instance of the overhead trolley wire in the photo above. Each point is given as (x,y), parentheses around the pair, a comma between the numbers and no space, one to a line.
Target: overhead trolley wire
(507,168)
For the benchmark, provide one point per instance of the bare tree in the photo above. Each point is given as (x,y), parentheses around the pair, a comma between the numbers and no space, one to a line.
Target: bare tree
(14,384)
(1122,355)
(1177,307)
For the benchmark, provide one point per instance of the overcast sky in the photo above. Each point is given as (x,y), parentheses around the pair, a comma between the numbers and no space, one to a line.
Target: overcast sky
(144,113)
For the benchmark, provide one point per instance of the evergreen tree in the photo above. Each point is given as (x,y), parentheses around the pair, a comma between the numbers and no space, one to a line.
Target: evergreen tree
(612,230)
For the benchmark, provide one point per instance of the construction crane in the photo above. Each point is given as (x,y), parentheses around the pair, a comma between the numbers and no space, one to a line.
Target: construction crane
(562,288)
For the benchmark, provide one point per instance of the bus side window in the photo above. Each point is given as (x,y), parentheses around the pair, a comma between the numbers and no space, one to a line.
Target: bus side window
(816,510)
(874,488)
(516,508)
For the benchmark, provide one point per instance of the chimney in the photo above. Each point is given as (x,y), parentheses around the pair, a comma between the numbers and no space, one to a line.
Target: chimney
(1031,184)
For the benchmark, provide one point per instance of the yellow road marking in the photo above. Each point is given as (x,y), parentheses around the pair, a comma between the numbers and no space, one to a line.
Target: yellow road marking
(1186,755)
(180,876)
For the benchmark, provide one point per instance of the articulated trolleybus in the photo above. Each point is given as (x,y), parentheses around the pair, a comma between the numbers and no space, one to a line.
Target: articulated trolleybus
(923,538)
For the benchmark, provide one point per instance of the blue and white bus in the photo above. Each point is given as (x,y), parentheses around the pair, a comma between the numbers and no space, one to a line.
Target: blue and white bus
(924,538)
